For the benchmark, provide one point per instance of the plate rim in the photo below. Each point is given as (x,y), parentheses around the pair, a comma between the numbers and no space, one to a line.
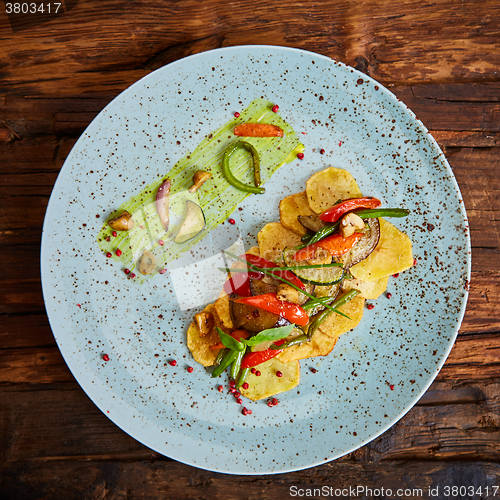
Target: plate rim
(400,104)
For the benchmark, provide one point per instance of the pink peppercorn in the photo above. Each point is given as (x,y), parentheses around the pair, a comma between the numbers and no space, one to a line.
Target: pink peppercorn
(220,388)
(415,261)
(118,252)
(190,369)
(236,394)
(232,383)
(108,254)
(245,385)
(300,156)
(269,403)
(108,238)
(231,221)
(78,305)
(321,151)
(161,242)
(391,387)
(126,270)
(275,108)
(236,114)
(252,370)
(105,357)
(239,401)
(246,411)
(395,275)
(257,373)
(388,295)
(279,374)
(370,306)
(274,401)
(172,362)
(162,271)
(132,275)
(114,233)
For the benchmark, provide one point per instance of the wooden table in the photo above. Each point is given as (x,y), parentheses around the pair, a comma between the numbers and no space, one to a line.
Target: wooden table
(58,71)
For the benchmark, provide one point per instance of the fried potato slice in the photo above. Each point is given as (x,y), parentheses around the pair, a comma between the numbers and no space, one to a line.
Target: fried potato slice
(326,336)
(253,250)
(327,186)
(393,254)
(273,238)
(223,314)
(291,208)
(369,289)
(200,346)
(268,384)
(319,345)
(336,325)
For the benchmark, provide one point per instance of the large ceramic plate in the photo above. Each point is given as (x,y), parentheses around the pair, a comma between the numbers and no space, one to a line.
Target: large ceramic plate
(375,374)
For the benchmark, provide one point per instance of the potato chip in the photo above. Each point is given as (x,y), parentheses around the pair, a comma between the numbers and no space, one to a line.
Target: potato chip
(369,289)
(393,254)
(319,345)
(291,208)
(326,187)
(335,325)
(253,251)
(200,346)
(268,384)
(223,314)
(273,238)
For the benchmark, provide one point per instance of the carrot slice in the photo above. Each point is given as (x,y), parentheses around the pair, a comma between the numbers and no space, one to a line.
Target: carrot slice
(258,130)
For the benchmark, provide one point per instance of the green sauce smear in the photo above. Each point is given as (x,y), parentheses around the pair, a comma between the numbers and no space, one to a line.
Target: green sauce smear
(217,198)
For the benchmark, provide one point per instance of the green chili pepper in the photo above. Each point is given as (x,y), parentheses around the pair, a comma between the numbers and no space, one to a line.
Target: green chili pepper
(256,168)
(242,376)
(373,213)
(226,361)
(235,367)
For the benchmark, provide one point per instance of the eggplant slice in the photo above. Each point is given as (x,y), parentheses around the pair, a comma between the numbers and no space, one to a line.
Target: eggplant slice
(252,318)
(364,246)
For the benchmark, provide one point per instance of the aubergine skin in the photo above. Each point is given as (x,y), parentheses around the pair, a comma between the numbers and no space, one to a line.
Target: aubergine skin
(364,246)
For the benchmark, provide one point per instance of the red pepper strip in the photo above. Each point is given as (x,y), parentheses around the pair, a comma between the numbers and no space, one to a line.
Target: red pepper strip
(256,358)
(241,287)
(334,213)
(270,302)
(288,275)
(258,130)
(336,245)
(236,334)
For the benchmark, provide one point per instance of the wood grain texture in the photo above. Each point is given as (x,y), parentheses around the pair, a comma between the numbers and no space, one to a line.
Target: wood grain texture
(56,74)
(98,54)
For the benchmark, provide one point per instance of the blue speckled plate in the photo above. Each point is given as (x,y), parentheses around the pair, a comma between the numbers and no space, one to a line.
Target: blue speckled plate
(403,342)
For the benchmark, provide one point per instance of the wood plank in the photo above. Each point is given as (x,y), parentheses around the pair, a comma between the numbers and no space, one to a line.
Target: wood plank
(435,42)
(453,420)
(25,330)
(144,479)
